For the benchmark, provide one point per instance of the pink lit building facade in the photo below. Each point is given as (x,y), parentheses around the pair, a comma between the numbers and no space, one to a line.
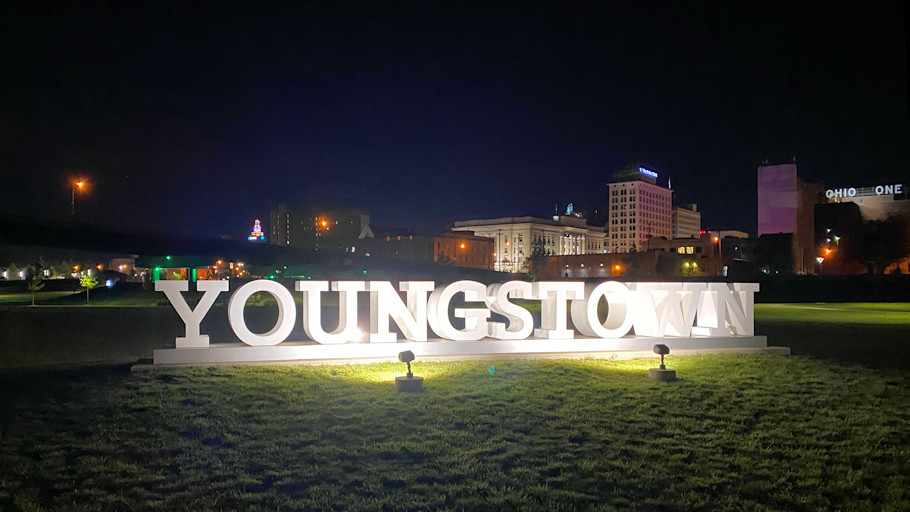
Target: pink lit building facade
(786,205)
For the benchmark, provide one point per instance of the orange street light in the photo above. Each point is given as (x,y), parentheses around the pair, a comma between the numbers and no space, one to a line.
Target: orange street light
(462,246)
(76,184)
(827,251)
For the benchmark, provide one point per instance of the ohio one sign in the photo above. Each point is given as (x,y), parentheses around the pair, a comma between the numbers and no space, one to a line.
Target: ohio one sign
(718,314)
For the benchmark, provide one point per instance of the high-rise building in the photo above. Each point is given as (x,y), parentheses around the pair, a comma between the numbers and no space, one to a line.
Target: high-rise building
(323,230)
(786,205)
(639,209)
(686,221)
(286,227)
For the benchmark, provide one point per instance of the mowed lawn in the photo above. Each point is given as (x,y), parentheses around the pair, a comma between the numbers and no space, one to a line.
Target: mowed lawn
(868,333)
(736,432)
(868,313)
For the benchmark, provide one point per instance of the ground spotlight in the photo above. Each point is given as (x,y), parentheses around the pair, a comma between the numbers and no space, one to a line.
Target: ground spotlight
(408,382)
(662,374)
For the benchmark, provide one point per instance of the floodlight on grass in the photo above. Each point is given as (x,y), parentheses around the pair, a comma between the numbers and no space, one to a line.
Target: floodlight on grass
(662,374)
(409,382)
(662,350)
(406,357)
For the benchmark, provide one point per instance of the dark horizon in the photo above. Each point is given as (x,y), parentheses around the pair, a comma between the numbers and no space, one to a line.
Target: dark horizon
(195,120)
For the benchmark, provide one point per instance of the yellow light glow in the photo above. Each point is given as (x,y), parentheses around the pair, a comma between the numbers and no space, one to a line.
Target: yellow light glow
(827,251)
(80,184)
(716,238)
(98,266)
(616,267)
(462,246)
(324,223)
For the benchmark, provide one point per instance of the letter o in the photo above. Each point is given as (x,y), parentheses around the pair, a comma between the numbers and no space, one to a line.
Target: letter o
(851,192)
(287,313)
(879,190)
(829,193)
(618,322)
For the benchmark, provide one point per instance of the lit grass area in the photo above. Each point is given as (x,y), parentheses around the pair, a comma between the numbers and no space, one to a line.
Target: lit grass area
(735,433)
(878,313)
(26,298)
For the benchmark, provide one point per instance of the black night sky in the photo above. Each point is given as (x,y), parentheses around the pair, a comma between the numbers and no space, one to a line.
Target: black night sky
(196,118)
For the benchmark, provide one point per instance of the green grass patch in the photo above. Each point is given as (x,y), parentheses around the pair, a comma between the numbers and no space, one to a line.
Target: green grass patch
(26,297)
(888,313)
(736,433)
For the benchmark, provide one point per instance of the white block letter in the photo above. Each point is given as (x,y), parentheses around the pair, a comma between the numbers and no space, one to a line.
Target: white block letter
(521,323)
(553,296)
(619,319)
(347,310)
(385,303)
(192,318)
(475,319)
(287,313)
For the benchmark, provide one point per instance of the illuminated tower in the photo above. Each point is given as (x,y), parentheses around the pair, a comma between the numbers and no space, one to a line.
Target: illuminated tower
(256,235)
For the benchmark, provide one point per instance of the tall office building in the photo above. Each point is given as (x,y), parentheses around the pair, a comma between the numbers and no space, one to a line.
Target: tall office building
(786,205)
(639,209)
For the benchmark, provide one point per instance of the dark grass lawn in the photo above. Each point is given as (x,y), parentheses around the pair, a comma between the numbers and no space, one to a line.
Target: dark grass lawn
(736,433)
(826,432)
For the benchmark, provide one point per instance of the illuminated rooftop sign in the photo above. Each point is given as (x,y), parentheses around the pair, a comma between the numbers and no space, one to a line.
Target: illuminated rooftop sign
(683,315)
(878,190)
(647,172)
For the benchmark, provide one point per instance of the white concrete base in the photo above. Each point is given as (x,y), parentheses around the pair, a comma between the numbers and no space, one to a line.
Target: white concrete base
(409,384)
(662,374)
(313,353)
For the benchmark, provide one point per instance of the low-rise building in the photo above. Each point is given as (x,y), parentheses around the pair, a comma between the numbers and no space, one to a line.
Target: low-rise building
(686,221)
(514,238)
(459,249)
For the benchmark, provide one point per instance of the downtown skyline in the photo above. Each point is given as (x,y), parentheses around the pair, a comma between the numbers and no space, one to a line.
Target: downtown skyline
(197,120)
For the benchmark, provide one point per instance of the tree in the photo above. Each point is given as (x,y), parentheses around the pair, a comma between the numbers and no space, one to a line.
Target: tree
(881,243)
(690,268)
(34,276)
(12,272)
(537,260)
(442,259)
(88,282)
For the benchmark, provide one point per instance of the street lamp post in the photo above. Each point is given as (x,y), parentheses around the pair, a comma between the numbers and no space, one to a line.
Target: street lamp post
(75,185)
(720,252)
